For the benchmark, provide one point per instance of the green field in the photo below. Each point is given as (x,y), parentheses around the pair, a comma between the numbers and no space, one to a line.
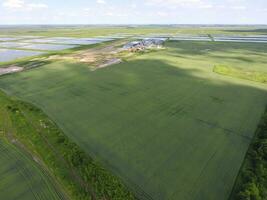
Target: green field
(91,31)
(257,76)
(164,122)
(21,178)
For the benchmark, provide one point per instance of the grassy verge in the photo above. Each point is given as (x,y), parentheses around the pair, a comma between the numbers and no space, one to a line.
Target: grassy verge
(241,73)
(251,183)
(81,176)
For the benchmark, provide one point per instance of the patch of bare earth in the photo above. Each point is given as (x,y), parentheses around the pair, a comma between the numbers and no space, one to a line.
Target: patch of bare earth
(112,61)
(10,69)
(98,57)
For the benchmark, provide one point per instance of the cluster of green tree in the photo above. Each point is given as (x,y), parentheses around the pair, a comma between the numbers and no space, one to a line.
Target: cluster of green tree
(252,180)
(80,175)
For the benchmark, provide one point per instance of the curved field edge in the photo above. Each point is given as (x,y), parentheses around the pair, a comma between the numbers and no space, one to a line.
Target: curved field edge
(22,175)
(251,182)
(22,178)
(79,174)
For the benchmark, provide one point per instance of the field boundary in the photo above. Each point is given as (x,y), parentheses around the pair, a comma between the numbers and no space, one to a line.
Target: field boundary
(243,186)
(91,179)
(9,138)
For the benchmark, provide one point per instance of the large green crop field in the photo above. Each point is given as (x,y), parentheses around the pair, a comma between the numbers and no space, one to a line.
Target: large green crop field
(164,122)
(21,178)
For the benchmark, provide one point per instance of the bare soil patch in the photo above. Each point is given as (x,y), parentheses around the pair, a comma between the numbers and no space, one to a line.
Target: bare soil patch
(10,69)
(112,61)
(98,57)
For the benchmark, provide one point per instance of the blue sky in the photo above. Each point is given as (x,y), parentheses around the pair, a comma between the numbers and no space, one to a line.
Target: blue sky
(133,11)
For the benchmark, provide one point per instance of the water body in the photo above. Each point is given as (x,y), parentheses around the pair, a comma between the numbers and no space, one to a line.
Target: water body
(11,54)
(49,47)
(69,40)
(223,39)
(190,39)
(12,44)
(245,41)
(41,40)
(8,39)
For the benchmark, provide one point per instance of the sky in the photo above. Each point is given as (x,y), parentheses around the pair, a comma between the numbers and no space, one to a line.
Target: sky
(133,11)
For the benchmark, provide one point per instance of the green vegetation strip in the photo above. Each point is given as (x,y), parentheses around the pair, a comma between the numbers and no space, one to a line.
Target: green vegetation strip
(21,178)
(241,73)
(252,180)
(82,177)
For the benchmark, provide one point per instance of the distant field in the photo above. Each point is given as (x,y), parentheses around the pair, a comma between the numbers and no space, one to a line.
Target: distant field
(90,31)
(163,121)
(20,177)
(256,76)
(14,40)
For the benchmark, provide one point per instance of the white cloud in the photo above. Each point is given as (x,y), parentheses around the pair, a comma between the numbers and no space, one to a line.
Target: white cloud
(163,14)
(87,9)
(239,7)
(206,6)
(133,5)
(13,4)
(101,2)
(172,2)
(22,5)
(37,5)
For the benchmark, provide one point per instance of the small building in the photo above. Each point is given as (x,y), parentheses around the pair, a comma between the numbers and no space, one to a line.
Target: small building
(144,44)
(131,45)
(154,42)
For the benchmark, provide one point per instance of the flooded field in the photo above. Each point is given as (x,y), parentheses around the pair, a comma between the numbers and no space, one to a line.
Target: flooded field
(69,40)
(8,39)
(255,39)
(221,38)
(49,47)
(78,42)
(40,43)
(12,44)
(191,39)
(82,41)
(39,40)
(238,40)
(11,54)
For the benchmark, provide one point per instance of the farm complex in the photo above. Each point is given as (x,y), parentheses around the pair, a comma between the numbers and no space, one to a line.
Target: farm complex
(136,113)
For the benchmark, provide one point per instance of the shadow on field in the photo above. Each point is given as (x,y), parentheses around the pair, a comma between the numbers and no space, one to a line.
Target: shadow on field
(165,130)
